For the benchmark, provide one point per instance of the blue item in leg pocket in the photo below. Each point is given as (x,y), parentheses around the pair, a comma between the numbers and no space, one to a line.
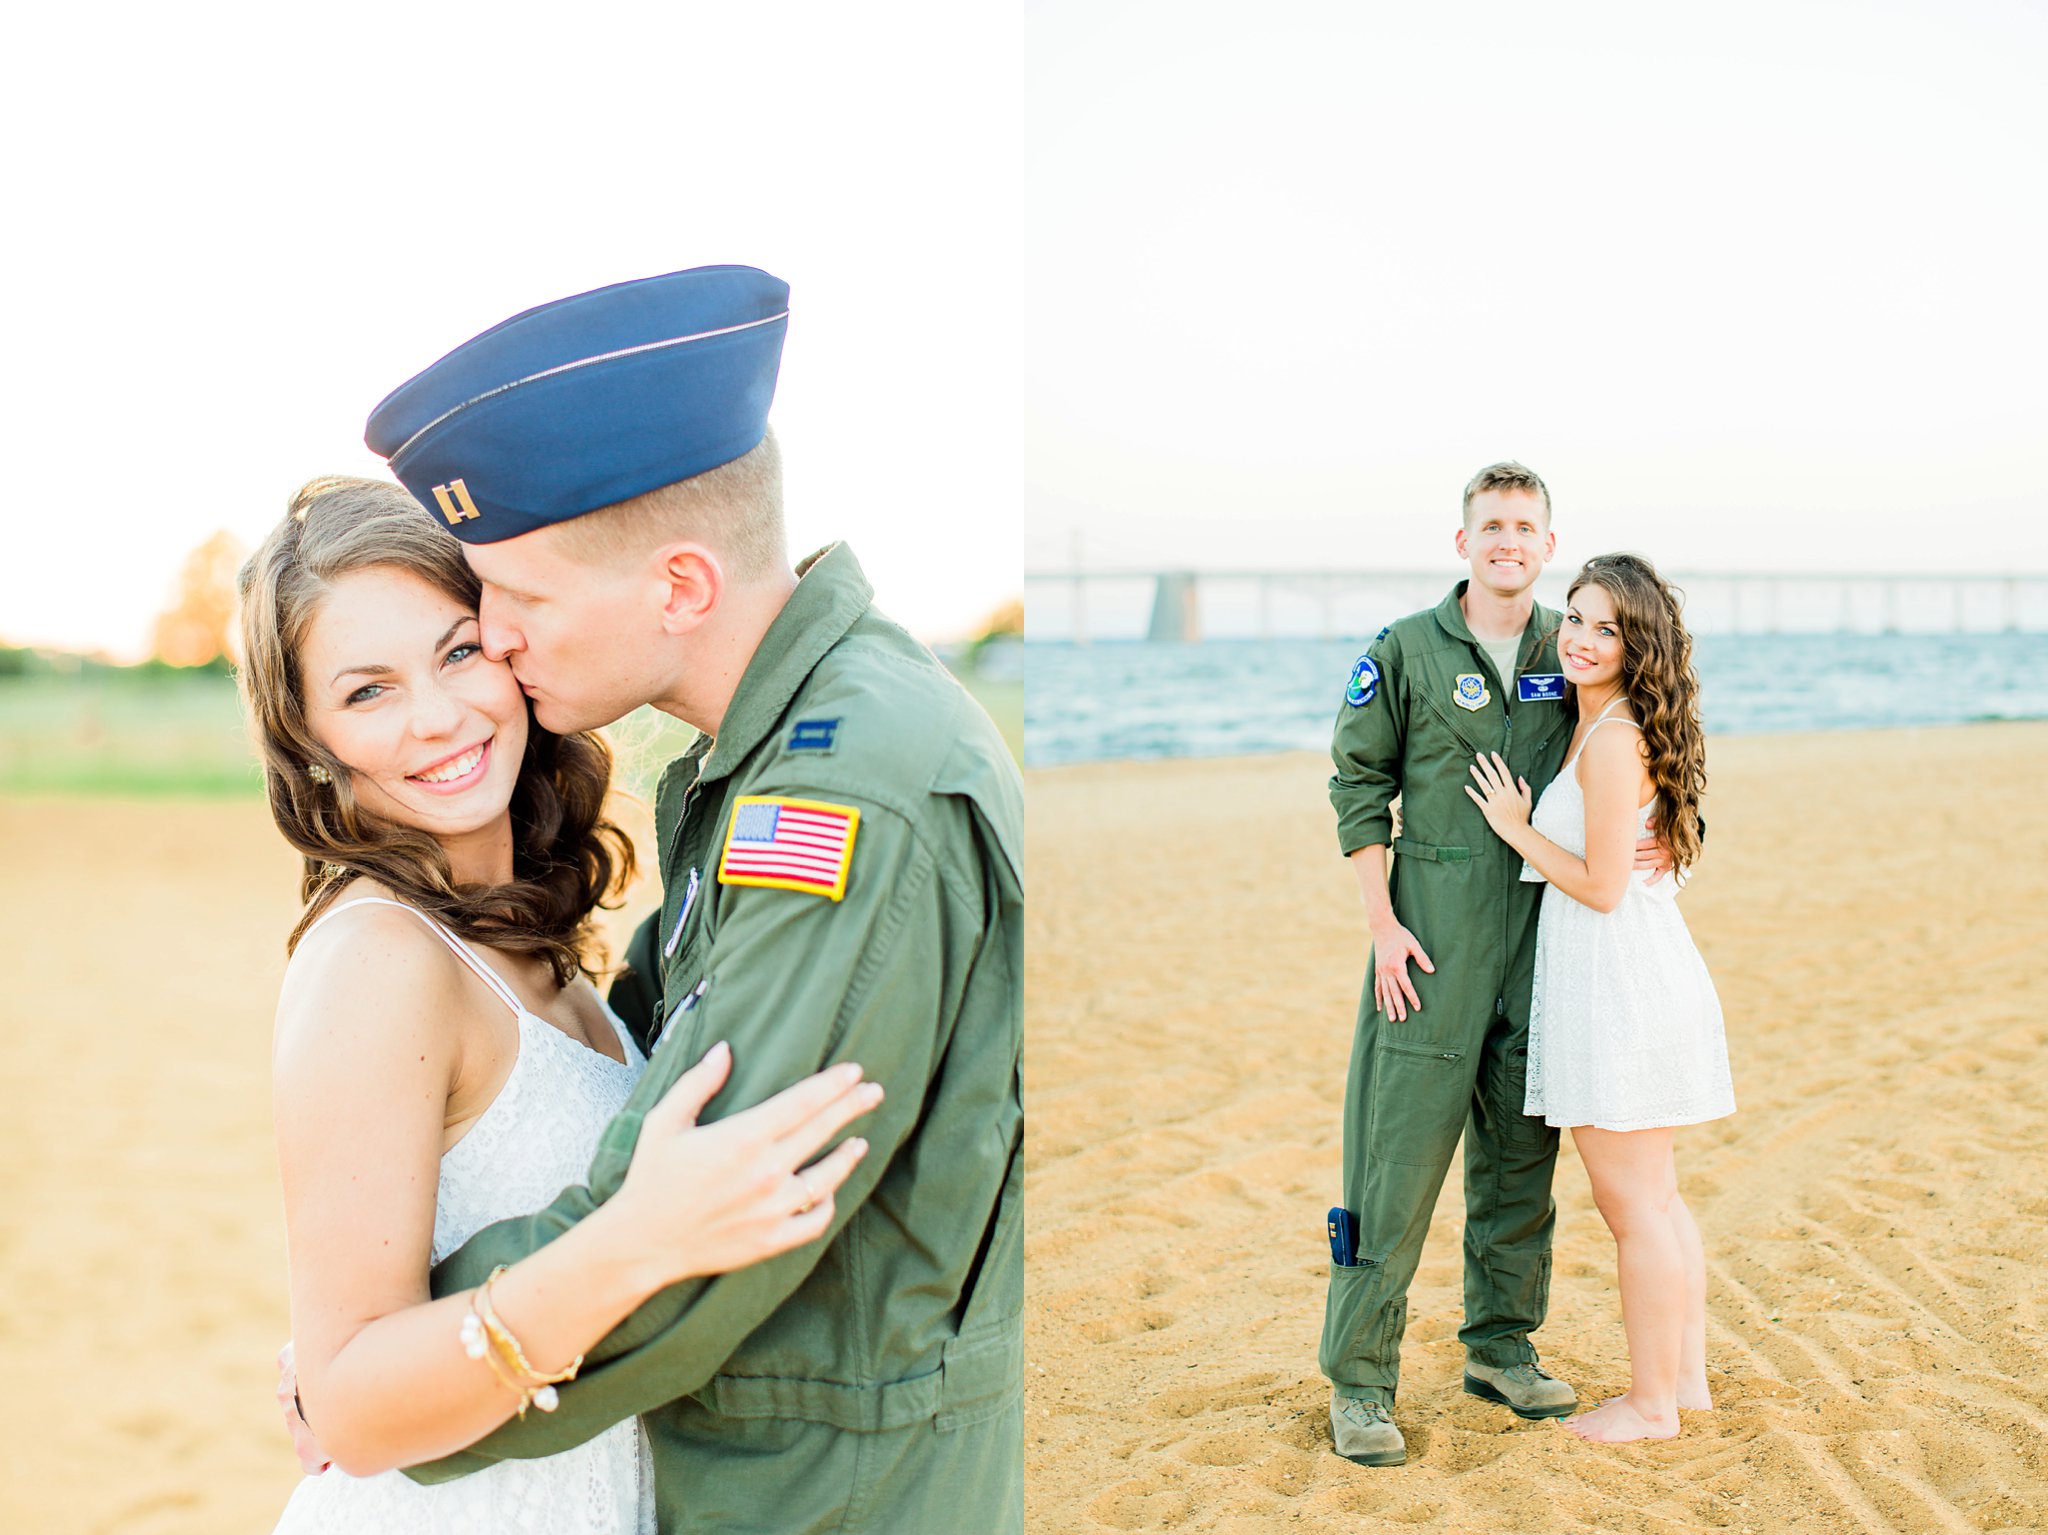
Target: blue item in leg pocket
(1343,1238)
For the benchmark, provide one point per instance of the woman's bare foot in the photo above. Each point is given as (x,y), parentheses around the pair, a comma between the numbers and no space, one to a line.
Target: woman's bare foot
(1693,1397)
(1618,1422)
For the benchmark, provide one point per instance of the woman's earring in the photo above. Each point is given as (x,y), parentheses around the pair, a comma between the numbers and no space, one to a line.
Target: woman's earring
(317,771)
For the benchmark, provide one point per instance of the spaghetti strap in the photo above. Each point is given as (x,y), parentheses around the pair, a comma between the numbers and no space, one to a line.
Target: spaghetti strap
(1598,720)
(484,972)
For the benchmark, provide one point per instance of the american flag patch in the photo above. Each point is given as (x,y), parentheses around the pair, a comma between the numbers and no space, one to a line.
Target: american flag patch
(789,844)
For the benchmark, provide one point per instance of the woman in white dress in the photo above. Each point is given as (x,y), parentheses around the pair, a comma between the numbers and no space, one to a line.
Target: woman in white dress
(442,1062)
(1625,1034)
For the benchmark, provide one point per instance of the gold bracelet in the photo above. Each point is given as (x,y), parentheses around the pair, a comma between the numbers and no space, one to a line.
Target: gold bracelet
(492,1340)
(477,1346)
(476,1343)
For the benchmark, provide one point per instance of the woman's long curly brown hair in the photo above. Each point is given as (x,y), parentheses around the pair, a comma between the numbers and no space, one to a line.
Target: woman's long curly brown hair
(567,858)
(1658,680)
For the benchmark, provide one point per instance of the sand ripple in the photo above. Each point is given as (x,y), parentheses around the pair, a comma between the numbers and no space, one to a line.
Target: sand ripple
(1872,906)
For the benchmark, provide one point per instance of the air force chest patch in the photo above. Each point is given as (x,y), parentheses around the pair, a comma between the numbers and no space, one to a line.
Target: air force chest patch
(789,844)
(1540,687)
(1365,681)
(1472,692)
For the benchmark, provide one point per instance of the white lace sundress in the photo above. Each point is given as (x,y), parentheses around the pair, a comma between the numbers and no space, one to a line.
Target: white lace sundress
(1625,1030)
(536,1137)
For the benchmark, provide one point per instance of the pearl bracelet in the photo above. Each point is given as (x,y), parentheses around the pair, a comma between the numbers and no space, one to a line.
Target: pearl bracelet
(485,1337)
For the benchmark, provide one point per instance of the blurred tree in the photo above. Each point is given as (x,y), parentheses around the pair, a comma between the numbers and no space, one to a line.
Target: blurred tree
(1001,632)
(1007,619)
(195,628)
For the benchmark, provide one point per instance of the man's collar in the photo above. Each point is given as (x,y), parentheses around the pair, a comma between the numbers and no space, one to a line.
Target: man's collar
(831,593)
(1451,614)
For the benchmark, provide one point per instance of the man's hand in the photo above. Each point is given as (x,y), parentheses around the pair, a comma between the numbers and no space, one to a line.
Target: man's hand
(1652,856)
(1392,992)
(312,1459)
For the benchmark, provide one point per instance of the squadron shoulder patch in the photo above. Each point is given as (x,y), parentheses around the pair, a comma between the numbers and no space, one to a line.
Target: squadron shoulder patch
(789,844)
(1472,692)
(1365,681)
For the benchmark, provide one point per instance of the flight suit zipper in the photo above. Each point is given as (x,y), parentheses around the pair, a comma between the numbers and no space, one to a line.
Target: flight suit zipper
(1511,871)
(1510,868)
(682,819)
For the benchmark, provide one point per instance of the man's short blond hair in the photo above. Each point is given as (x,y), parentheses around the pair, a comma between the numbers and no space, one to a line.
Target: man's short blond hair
(734,510)
(1506,475)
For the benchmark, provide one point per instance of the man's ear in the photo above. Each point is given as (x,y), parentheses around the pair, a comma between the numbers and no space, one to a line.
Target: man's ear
(1461,545)
(693,581)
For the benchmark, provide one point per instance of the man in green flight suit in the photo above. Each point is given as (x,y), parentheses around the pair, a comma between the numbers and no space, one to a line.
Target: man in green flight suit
(1443,1050)
(840,858)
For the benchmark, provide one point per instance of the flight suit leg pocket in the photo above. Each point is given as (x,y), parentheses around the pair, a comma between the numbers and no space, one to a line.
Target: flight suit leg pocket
(980,1376)
(1420,1097)
(1510,1092)
(1356,1324)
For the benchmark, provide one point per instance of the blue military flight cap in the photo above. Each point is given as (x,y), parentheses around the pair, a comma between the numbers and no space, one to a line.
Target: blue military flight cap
(588,400)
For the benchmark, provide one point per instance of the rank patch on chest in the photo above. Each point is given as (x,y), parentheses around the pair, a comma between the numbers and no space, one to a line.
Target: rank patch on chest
(813,735)
(1539,687)
(789,844)
(1472,691)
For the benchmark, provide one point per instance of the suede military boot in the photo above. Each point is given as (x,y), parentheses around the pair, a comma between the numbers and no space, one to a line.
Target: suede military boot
(1529,1389)
(1363,1431)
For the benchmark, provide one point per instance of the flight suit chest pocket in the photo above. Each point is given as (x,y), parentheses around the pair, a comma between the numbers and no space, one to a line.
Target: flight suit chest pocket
(681,998)
(693,864)
(1453,738)
(685,975)
(691,921)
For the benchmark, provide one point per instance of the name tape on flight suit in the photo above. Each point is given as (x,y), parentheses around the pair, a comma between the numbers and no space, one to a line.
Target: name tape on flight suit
(789,844)
(1540,687)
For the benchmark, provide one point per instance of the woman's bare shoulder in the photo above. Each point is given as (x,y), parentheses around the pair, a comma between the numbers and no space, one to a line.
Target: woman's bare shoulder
(370,980)
(1613,749)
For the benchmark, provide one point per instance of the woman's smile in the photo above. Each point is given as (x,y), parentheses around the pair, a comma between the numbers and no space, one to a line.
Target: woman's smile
(453,774)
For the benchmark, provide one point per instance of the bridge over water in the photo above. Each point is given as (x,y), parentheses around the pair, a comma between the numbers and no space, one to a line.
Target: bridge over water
(1189,605)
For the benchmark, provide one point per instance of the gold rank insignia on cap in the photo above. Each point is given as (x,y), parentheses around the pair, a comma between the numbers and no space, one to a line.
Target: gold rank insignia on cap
(789,844)
(460,508)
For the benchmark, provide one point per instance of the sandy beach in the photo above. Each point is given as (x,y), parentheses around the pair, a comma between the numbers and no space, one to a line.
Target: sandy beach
(142,1257)
(1872,907)
(1875,1213)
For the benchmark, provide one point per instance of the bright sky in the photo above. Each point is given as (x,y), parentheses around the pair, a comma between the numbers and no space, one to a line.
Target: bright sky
(1752,285)
(235,229)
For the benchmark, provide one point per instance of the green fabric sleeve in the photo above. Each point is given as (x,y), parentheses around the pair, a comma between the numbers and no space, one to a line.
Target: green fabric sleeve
(796,982)
(1366,747)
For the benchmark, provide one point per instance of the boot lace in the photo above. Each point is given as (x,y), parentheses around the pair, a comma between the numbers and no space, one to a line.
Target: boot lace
(1364,1407)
